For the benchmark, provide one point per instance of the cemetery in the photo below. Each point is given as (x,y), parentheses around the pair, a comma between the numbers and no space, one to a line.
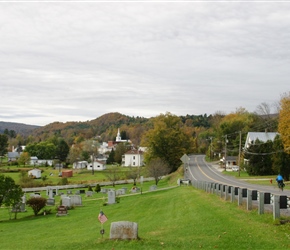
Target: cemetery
(157,218)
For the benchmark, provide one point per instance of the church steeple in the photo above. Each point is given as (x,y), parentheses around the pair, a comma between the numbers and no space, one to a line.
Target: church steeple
(118,138)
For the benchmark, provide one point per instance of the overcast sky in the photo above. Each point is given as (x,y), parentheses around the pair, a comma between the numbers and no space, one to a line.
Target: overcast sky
(75,61)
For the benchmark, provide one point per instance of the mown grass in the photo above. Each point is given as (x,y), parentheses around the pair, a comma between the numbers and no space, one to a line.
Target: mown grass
(177,218)
(80,176)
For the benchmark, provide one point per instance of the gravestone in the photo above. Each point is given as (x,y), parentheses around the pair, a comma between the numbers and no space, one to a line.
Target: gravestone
(20,207)
(23,199)
(104,190)
(111,197)
(69,192)
(77,192)
(66,201)
(61,211)
(35,195)
(89,193)
(125,189)
(124,230)
(120,191)
(76,200)
(50,202)
(153,188)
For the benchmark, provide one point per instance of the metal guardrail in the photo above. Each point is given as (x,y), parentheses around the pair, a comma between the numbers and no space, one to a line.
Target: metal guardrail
(278,204)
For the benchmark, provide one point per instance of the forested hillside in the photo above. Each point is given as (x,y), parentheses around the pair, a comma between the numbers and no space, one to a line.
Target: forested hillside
(18,128)
(103,128)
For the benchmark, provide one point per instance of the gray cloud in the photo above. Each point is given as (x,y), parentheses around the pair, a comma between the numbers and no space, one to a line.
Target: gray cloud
(76,61)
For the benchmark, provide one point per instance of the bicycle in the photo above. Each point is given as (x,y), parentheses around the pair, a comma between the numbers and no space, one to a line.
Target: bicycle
(281,185)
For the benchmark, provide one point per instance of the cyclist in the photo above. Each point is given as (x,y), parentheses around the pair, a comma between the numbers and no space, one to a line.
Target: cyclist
(280,182)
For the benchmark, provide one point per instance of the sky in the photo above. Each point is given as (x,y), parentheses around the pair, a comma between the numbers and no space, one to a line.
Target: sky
(78,60)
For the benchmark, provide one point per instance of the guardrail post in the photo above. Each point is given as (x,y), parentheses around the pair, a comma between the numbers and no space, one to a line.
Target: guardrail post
(261,203)
(232,194)
(240,196)
(249,199)
(276,207)
(222,190)
(226,192)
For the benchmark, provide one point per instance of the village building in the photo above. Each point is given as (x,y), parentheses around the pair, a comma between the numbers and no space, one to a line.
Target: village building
(97,165)
(252,137)
(133,158)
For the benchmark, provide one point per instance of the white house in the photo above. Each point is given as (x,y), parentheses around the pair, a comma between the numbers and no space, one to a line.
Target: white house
(13,156)
(80,164)
(133,158)
(261,136)
(97,165)
(34,173)
(33,160)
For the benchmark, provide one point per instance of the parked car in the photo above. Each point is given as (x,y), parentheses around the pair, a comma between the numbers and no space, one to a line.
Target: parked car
(235,168)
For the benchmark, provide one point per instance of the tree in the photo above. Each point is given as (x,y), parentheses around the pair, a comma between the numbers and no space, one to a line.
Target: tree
(15,196)
(3,146)
(284,121)
(157,168)
(133,174)
(42,150)
(10,193)
(24,159)
(167,140)
(111,157)
(36,203)
(281,160)
(260,158)
(75,153)
(113,174)
(121,149)
(62,150)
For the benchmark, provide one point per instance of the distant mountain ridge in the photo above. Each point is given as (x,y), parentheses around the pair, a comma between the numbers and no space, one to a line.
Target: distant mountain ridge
(19,128)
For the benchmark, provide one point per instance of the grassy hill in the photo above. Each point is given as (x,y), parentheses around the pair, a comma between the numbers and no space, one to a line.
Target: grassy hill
(176,218)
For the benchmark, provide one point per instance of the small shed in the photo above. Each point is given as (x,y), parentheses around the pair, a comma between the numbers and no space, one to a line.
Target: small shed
(34,173)
(97,165)
(80,164)
(67,173)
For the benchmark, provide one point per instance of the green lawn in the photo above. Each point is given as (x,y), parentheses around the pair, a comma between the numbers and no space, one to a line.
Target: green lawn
(80,176)
(177,218)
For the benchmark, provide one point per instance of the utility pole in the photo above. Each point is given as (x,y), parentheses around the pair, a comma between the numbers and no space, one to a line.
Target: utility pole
(240,148)
(210,148)
(226,141)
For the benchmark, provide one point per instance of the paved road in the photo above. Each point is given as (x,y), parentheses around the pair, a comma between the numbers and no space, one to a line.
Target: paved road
(199,169)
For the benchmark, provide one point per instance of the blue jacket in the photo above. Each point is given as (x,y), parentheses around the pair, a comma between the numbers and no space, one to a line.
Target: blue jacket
(279,178)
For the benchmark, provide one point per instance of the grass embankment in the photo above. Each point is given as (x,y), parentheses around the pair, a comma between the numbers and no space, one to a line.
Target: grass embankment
(178,218)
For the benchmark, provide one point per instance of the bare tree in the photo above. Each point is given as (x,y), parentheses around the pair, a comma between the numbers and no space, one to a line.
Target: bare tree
(157,168)
(113,174)
(263,109)
(133,174)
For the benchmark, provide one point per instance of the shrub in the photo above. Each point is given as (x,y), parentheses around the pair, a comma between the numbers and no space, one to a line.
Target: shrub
(63,181)
(98,188)
(36,203)
(90,188)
